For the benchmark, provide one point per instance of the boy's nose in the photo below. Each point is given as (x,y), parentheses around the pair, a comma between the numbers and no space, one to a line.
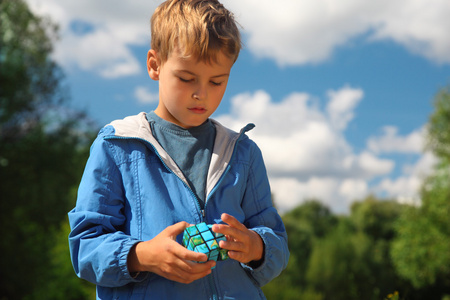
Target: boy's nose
(201,93)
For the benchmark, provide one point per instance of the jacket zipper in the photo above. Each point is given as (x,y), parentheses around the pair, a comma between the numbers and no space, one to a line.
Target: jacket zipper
(212,285)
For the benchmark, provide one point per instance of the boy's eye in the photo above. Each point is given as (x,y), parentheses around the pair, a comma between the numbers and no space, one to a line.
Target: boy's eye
(184,79)
(187,80)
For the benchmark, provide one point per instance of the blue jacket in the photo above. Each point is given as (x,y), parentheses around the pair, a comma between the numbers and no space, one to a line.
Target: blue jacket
(131,190)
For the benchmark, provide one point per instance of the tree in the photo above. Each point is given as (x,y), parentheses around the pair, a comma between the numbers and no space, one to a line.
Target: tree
(43,147)
(336,263)
(304,224)
(422,250)
(376,217)
(438,127)
(348,256)
(352,261)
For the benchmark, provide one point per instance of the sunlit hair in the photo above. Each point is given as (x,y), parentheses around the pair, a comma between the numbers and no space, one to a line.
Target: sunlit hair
(196,28)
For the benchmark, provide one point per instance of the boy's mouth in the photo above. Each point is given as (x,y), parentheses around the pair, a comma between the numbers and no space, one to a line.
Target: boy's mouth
(197,110)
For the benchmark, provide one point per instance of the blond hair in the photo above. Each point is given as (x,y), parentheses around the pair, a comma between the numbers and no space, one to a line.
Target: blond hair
(196,28)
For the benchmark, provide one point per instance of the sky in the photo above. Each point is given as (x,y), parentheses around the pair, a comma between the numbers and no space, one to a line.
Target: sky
(340,91)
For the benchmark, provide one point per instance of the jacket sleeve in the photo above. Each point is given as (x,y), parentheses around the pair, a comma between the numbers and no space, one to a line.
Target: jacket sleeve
(98,245)
(264,219)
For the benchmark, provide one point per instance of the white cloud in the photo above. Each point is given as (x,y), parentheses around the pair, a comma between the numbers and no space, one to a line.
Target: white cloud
(405,187)
(341,106)
(422,167)
(307,155)
(391,142)
(98,51)
(301,32)
(289,32)
(352,189)
(374,165)
(420,25)
(114,27)
(338,194)
(305,148)
(145,96)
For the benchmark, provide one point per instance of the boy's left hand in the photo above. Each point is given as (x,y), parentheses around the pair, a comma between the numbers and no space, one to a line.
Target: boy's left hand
(243,245)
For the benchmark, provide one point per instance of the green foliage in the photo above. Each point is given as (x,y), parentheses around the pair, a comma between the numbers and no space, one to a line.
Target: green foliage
(303,224)
(313,216)
(30,80)
(306,223)
(422,250)
(438,126)
(376,218)
(43,148)
(62,283)
(340,257)
(353,262)
(332,266)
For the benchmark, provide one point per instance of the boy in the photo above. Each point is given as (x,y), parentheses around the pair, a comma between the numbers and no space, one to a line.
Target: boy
(152,175)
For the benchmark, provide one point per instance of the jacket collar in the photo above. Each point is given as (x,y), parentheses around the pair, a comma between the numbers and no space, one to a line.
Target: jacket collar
(225,143)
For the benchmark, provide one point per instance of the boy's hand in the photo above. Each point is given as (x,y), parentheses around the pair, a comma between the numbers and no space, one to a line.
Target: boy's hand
(162,255)
(243,245)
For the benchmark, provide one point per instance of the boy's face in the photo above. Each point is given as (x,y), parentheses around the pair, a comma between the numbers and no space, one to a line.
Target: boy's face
(189,90)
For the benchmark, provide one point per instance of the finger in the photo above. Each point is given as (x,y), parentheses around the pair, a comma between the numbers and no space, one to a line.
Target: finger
(239,256)
(232,221)
(231,233)
(193,267)
(189,255)
(176,229)
(197,268)
(232,246)
(193,270)
(196,272)
(188,272)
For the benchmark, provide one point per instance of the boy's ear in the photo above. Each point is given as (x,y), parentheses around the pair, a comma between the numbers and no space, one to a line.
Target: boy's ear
(153,64)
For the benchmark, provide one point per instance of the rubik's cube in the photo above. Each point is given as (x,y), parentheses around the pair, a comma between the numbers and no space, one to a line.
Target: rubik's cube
(201,238)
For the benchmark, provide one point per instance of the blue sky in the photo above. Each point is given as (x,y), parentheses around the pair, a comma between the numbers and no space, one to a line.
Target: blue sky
(340,91)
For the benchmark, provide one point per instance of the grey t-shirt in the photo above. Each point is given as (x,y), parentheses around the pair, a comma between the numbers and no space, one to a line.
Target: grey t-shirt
(190,149)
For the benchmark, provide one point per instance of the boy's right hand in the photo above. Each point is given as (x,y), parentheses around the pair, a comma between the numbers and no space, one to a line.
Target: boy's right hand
(162,255)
